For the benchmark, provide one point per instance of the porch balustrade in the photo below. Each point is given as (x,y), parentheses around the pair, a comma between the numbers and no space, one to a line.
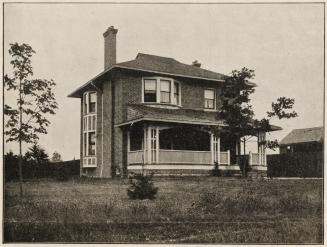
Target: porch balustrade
(180,157)
(257,159)
(224,158)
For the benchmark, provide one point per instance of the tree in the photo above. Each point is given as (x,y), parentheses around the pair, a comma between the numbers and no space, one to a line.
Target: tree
(34,101)
(37,155)
(56,157)
(238,114)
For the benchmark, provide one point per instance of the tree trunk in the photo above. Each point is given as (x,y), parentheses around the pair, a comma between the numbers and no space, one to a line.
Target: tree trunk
(20,161)
(244,159)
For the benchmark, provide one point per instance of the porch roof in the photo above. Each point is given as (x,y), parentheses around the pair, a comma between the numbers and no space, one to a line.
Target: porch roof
(137,113)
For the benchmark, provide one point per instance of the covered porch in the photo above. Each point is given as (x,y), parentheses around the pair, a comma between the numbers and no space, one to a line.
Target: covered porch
(163,146)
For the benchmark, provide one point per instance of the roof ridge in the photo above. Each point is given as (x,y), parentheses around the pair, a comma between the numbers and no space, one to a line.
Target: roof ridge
(146,54)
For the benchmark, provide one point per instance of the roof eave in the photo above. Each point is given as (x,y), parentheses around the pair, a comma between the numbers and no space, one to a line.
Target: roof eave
(75,94)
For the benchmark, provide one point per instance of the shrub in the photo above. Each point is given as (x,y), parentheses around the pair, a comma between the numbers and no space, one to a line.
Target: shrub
(216,172)
(141,187)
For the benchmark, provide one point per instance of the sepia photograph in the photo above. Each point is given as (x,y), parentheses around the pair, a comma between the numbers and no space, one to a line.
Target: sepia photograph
(163,123)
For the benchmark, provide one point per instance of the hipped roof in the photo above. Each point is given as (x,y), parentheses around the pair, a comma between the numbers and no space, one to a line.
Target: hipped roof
(160,65)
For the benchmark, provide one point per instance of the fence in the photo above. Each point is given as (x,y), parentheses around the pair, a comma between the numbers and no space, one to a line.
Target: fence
(300,164)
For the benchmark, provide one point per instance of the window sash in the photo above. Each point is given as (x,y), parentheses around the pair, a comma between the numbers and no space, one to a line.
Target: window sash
(209,94)
(161,90)
(209,98)
(209,104)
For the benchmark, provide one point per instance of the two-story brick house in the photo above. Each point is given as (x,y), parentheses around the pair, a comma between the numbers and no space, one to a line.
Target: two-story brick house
(151,111)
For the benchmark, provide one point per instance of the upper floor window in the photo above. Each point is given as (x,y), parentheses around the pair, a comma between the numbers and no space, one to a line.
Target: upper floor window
(89,102)
(176,93)
(165,91)
(161,90)
(209,99)
(150,90)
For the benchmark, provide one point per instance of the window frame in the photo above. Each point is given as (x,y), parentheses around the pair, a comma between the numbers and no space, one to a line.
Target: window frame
(158,80)
(214,99)
(89,124)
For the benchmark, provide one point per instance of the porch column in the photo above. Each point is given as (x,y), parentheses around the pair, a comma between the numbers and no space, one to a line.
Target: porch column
(215,148)
(149,149)
(151,144)
(145,144)
(262,148)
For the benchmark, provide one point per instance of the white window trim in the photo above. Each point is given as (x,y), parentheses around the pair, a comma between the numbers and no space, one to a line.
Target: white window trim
(214,100)
(172,90)
(85,127)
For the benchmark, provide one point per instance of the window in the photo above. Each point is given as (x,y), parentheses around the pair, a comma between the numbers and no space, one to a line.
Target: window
(89,123)
(161,90)
(91,143)
(150,90)
(164,91)
(92,100)
(209,99)
(176,93)
(85,96)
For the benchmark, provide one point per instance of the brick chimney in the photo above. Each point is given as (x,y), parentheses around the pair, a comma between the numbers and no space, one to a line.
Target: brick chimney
(110,47)
(196,63)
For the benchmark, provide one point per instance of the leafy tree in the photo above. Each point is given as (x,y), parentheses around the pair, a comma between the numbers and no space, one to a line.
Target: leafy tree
(34,101)
(56,157)
(238,114)
(37,155)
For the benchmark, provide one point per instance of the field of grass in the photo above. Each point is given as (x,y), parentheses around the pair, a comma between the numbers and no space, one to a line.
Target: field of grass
(187,210)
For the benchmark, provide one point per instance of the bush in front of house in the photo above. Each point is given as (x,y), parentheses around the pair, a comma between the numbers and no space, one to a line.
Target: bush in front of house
(142,187)
(215,171)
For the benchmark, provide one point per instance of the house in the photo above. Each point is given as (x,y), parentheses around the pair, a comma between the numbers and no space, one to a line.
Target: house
(151,113)
(303,140)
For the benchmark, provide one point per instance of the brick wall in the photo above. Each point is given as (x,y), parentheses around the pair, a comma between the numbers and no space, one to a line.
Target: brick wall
(193,93)
(107,127)
(127,88)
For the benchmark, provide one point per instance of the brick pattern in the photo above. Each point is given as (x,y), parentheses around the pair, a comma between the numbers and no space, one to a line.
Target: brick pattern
(107,129)
(127,88)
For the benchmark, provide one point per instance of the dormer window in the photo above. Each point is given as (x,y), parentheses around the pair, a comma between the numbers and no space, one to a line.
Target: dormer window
(161,90)
(209,99)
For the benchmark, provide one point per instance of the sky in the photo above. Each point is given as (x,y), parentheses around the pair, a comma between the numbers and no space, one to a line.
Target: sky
(283,43)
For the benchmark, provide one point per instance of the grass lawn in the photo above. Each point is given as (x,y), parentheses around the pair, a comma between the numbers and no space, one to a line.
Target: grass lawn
(187,210)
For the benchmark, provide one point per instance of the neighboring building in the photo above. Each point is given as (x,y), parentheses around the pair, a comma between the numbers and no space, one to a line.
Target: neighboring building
(152,110)
(303,140)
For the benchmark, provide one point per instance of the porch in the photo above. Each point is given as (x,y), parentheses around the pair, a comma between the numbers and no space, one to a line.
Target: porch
(180,147)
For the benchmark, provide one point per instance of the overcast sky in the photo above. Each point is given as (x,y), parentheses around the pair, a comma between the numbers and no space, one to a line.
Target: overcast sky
(283,43)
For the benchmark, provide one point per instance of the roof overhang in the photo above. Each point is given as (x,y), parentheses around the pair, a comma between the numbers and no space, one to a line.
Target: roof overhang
(206,123)
(76,93)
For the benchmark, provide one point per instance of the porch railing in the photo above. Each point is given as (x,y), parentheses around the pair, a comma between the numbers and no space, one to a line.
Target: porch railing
(180,156)
(224,158)
(257,159)
(184,156)
(135,157)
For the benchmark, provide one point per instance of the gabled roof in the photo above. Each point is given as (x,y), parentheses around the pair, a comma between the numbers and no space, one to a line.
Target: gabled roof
(161,65)
(315,134)
(139,112)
